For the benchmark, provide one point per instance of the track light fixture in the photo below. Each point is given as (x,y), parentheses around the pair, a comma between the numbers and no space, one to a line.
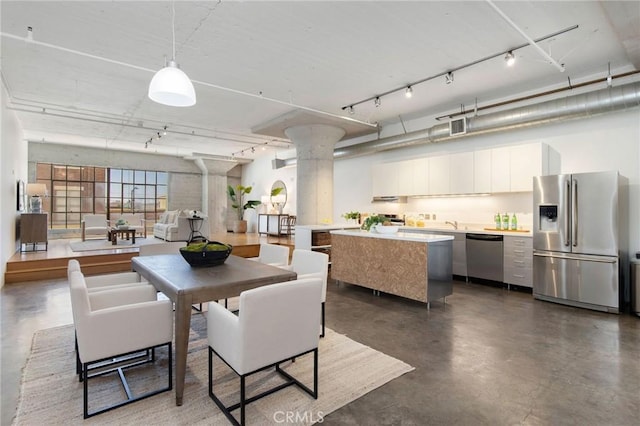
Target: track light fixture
(448,75)
(609,78)
(510,58)
(164,133)
(409,92)
(448,78)
(351,110)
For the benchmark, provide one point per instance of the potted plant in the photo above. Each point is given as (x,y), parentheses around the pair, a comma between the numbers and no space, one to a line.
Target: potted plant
(237,195)
(352,216)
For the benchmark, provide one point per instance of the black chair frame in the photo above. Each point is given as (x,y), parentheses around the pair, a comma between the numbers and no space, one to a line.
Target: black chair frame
(126,357)
(322,314)
(290,380)
(111,364)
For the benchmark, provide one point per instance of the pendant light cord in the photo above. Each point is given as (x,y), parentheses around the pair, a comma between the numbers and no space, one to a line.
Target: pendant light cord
(173,28)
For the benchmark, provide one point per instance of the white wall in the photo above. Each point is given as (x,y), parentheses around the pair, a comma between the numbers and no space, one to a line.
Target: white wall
(604,142)
(13,166)
(260,176)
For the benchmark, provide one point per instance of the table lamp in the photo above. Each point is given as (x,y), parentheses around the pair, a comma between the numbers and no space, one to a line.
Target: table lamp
(264,200)
(36,191)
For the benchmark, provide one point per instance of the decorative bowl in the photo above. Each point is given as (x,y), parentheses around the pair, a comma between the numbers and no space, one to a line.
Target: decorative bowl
(207,253)
(389,229)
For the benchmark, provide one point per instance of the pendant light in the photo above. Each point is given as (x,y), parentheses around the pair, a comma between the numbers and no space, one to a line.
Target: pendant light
(171,86)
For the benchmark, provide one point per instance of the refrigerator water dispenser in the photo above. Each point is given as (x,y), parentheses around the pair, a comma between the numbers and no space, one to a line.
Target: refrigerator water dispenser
(548,219)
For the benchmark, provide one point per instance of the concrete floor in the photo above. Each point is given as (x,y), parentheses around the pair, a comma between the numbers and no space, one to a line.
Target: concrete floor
(489,356)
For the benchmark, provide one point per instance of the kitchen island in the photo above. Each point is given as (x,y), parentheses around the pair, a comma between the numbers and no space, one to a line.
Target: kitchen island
(411,265)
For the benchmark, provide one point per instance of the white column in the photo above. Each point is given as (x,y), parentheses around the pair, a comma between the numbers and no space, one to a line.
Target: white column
(314,151)
(214,196)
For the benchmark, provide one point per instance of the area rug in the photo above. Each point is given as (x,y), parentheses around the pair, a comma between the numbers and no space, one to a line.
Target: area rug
(51,394)
(91,245)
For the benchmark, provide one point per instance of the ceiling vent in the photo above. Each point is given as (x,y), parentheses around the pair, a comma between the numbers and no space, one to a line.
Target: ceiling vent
(458,126)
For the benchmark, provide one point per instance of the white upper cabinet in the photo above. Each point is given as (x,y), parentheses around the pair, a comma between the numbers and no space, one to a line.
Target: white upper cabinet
(439,181)
(526,162)
(405,178)
(413,177)
(461,167)
(504,169)
(500,170)
(385,179)
(482,171)
(421,176)
(513,167)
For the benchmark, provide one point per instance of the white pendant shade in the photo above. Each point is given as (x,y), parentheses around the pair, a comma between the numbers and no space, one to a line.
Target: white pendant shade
(171,86)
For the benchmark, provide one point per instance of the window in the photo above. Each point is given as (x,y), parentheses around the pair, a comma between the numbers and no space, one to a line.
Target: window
(78,190)
(138,191)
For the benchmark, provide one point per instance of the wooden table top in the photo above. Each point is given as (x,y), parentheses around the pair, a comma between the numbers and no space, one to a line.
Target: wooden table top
(172,275)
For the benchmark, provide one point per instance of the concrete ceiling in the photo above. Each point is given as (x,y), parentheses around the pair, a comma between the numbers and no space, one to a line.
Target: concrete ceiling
(259,66)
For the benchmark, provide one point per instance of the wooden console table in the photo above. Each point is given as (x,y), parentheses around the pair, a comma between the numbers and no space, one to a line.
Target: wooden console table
(270,224)
(33,230)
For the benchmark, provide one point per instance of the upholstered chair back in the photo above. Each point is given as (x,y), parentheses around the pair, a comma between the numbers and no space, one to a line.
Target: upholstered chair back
(275,322)
(273,254)
(307,263)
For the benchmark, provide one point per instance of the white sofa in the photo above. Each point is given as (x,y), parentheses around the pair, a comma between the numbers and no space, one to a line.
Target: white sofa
(173,225)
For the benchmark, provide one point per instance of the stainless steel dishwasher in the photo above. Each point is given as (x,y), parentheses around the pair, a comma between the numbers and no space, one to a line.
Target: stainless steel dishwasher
(485,257)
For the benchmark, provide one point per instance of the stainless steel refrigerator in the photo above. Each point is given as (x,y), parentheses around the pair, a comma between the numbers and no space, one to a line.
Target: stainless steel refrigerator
(577,239)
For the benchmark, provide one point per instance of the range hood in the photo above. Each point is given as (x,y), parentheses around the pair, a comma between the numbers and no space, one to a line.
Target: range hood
(389,199)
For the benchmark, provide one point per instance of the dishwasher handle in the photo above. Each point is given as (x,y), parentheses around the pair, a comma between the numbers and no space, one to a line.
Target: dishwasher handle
(485,237)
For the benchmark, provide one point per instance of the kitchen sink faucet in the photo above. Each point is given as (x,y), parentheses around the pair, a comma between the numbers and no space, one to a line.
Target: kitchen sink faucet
(454,224)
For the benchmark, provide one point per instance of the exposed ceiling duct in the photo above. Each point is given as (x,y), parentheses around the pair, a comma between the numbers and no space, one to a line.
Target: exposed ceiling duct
(577,106)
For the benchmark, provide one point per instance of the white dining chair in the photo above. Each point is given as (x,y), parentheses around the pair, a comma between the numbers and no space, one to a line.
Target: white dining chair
(309,263)
(106,330)
(276,323)
(273,254)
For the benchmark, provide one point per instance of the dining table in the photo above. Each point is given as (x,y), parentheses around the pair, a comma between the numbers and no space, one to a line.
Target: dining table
(186,285)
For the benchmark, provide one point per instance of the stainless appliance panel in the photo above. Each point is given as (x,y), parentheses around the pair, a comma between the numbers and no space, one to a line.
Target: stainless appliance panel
(594,223)
(635,287)
(552,232)
(485,256)
(586,281)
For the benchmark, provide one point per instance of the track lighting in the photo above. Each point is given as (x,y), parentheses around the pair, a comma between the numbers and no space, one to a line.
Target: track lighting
(164,133)
(253,150)
(351,110)
(448,78)
(409,92)
(448,75)
(171,86)
(510,58)
(609,78)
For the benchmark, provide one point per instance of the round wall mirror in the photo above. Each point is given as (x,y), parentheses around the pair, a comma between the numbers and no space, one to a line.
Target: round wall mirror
(279,195)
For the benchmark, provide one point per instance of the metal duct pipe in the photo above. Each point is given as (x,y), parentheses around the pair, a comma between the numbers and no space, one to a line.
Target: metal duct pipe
(578,106)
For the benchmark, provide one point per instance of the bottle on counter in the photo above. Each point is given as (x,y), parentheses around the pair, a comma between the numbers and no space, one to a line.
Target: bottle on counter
(514,222)
(505,221)
(497,220)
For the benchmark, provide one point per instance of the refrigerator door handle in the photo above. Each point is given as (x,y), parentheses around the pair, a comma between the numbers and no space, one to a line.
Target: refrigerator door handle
(589,259)
(567,237)
(574,214)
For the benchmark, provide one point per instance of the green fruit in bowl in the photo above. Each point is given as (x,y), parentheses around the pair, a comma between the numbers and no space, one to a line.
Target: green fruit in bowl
(206,247)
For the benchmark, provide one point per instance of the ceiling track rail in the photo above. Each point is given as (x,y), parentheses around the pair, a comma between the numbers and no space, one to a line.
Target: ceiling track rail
(461,67)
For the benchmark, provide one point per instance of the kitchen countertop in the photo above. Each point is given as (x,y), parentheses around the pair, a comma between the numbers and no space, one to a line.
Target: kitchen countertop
(329,227)
(401,236)
(415,229)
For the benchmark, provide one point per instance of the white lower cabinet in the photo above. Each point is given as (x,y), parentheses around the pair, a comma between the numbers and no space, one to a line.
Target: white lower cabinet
(518,260)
